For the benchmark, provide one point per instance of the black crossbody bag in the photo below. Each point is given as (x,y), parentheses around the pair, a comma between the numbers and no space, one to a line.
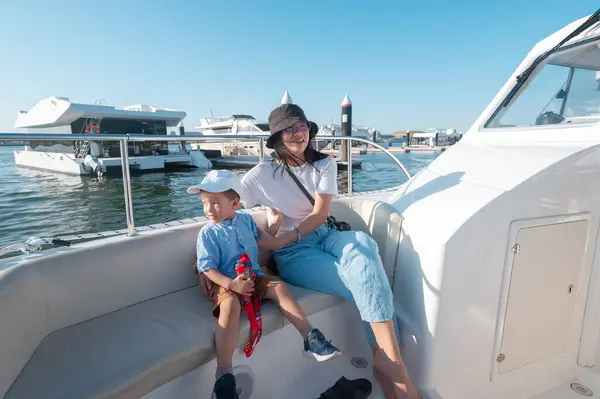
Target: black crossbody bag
(338,225)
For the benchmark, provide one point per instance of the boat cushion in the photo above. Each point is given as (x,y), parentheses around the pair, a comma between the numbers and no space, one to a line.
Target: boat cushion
(133,351)
(378,219)
(122,316)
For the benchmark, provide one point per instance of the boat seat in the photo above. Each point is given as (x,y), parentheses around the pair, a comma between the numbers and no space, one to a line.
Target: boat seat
(130,352)
(97,340)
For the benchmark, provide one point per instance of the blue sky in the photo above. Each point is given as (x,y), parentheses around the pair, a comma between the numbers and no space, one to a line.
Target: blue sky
(404,64)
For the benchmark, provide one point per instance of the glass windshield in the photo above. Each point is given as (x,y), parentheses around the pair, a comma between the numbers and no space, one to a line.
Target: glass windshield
(263,127)
(566,90)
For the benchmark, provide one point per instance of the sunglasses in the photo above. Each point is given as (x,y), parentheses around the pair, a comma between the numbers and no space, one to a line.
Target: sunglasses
(296,127)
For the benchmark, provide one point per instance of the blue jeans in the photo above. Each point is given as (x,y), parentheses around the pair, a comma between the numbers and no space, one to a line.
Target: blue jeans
(342,263)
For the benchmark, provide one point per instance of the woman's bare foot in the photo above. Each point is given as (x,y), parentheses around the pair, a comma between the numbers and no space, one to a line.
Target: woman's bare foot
(392,373)
(387,386)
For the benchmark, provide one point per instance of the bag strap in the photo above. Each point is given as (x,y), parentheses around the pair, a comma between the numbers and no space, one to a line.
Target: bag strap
(300,185)
(330,219)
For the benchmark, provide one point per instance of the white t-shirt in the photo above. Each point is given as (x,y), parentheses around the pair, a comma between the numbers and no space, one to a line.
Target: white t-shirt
(271,185)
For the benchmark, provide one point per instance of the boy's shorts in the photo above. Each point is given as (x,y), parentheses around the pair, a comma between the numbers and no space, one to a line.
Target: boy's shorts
(261,286)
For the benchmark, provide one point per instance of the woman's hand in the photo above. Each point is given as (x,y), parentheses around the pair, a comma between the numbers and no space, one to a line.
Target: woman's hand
(316,218)
(278,216)
(276,222)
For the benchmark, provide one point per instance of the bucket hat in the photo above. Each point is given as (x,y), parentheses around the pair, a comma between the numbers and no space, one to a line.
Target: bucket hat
(285,116)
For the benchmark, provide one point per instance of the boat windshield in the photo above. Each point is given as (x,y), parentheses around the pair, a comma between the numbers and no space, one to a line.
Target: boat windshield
(263,127)
(565,90)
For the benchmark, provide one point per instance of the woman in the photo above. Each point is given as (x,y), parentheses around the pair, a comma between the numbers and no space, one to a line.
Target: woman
(311,254)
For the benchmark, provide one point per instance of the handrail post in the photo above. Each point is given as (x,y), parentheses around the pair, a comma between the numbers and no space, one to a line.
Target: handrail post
(261,150)
(124,144)
(349,158)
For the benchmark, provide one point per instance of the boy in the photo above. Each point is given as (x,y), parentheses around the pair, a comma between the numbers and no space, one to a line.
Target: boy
(220,243)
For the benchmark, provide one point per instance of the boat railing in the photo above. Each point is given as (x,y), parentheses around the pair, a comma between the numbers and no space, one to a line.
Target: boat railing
(124,141)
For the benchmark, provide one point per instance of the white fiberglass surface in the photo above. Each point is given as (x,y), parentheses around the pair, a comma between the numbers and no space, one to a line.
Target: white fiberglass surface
(277,368)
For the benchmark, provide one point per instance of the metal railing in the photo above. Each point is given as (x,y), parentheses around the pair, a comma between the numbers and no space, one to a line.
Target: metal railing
(124,141)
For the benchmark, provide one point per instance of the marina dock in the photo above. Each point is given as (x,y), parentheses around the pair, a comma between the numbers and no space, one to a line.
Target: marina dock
(417,149)
(364,151)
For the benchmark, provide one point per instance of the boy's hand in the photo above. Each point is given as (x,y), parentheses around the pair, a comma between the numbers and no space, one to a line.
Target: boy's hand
(242,285)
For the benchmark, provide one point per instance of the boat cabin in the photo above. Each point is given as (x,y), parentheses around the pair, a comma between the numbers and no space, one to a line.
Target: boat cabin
(58,115)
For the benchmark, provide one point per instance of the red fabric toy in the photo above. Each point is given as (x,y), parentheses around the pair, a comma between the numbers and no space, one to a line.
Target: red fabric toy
(250,304)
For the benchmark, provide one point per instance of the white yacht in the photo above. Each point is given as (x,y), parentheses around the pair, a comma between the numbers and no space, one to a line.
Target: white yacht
(433,137)
(233,124)
(332,129)
(491,253)
(56,115)
(238,124)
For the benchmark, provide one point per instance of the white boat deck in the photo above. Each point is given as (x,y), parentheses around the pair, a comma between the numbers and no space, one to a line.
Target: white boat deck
(278,369)
(588,382)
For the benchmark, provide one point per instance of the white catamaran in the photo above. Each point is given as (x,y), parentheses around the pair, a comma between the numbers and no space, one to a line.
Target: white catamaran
(59,115)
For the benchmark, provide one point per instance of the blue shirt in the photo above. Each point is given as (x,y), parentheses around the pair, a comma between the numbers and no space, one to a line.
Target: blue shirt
(220,245)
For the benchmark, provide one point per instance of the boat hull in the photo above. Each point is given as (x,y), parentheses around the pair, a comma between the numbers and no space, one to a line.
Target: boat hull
(68,164)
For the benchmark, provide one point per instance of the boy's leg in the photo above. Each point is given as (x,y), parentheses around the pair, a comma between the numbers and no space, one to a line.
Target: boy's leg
(315,344)
(277,291)
(226,335)
(227,309)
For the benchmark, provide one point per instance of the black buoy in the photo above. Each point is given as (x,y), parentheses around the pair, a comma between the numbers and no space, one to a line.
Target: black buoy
(346,127)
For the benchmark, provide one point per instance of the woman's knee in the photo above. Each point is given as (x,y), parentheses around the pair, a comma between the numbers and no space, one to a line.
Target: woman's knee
(351,242)
(363,262)
(358,249)
(365,240)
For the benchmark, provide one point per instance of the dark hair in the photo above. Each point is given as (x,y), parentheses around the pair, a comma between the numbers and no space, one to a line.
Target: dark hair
(230,194)
(285,158)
